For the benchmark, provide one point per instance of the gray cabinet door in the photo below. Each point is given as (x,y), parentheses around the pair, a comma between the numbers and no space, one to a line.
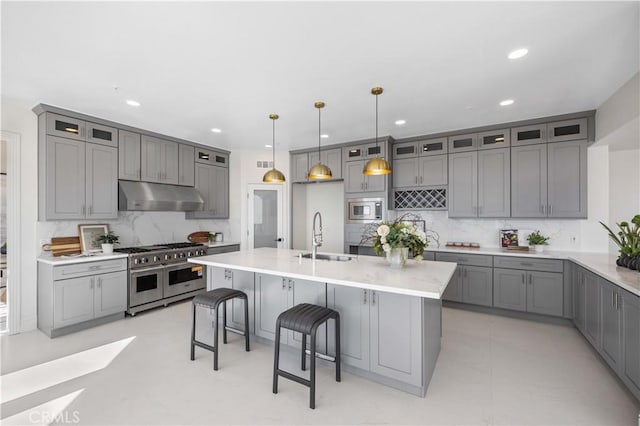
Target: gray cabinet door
(65,184)
(463,184)
(432,170)
(220,195)
(103,135)
(204,185)
(611,324)
(528,135)
(66,127)
(353,305)
(567,165)
(101,182)
(396,340)
(217,277)
(374,183)
(304,291)
(405,172)
(493,139)
(592,308)
(333,159)
(494,183)
(510,289)
(529,181)
(453,292)
(433,146)
(630,369)
(460,143)
(110,295)
(128,155)
(545,293)
(186,165)
(405,150)
(243,281)
(579,301)
(170,158)
(567,130)
(374,150)
(151,159)
(353,179)
(72,301)
(271,301)
(477,285)
(300,167)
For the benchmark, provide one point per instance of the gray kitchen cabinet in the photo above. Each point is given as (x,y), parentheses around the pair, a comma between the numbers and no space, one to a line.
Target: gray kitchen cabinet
(463,184)
(567,130)
(477,285)
(367,151)
(128,155)
(433,170)
(579,299)
(453,292)
(237,280)
(315,293)
(405,172)
(186,165)
(611,327)
(510,289)
(331,158)
(435,146)
(81,180)
(528,135)
(356,181)
(529,181)
(405,150)
(299,167)
(494,139)
(630,368)
(494,183)
(396,341)
(76,296)
(592,308)
(567,179)
(380,332)
(212,182)
(66,127)
(545,293)
(102,135)
(462,143)
(159,160)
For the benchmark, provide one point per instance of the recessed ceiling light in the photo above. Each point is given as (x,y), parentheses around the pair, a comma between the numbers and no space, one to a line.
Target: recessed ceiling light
(518,53)
(325,136)
(131,102)
(400,122)
(506,102)
(268,146)
(216,130)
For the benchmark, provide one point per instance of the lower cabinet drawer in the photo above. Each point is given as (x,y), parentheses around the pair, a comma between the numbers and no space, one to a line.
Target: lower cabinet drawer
(74,270)
(529,264)
(465,259)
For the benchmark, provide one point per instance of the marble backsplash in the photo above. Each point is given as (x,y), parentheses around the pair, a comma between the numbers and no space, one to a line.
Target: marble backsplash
(141,228)
(565,234)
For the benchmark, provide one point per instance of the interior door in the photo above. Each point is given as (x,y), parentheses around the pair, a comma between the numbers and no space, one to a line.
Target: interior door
(266,216)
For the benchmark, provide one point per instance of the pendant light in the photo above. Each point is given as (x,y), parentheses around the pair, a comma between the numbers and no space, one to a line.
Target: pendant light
(274,175)
(377,165)
(319,171)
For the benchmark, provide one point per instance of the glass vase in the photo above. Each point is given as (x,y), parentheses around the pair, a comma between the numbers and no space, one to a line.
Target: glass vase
(397,257)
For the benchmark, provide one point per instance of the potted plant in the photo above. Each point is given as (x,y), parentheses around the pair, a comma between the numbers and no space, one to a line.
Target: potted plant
(537,241)
(108,240)
(212,236)
(628,241)
(395,239)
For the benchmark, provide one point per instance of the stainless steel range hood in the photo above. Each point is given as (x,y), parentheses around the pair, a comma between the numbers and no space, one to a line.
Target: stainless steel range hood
(158,197)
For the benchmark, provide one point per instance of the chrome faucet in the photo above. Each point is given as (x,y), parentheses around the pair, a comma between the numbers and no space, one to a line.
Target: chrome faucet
(316,237)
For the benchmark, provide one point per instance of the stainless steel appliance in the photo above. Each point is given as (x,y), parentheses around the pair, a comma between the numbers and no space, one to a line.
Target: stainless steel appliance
(360,210)
(160,274)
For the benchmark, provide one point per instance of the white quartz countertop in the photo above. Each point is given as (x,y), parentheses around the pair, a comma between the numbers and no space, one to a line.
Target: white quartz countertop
(67,260)
(498,251)
(224,244)
(417,278)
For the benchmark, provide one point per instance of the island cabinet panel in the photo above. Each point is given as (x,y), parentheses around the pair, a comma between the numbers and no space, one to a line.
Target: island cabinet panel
(396,340)
(353,305)
(630,368)
(238,280)
(303,291)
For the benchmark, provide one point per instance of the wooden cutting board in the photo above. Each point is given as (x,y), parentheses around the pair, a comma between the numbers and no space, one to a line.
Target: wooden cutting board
(199,237)
(64,245)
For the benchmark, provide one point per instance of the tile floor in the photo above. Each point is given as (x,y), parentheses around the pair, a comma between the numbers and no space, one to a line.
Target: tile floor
(492,370)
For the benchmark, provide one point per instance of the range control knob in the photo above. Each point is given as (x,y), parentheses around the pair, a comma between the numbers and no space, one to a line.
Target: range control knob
(189,254)
(167,256)
(181,255)
(136,261)
(144,260)
(156,258)
(175,255)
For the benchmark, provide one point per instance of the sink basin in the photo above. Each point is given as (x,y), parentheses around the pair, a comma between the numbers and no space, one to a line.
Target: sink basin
(330,257)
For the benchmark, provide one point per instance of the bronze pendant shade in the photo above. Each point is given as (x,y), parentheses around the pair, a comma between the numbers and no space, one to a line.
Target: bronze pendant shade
(274,175)
(319,171)
(378,165)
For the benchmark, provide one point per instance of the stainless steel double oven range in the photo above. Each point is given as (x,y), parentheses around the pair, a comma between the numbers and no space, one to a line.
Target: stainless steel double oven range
(160,274)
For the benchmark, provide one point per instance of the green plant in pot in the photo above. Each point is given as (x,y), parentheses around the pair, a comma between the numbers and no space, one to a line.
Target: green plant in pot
(538,241)
(107,240)
(628,241)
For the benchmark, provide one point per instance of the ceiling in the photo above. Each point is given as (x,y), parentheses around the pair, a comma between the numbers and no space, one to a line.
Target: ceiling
(196,66)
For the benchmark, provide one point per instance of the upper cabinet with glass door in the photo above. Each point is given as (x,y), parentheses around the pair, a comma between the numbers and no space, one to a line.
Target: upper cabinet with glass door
(73,128)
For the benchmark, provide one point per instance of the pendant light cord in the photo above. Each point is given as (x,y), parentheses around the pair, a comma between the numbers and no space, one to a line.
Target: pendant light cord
(376,122)
(319,131)
(274,144)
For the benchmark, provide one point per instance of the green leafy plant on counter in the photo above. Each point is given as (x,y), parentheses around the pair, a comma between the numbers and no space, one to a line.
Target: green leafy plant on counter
(108,238)
(628,238)
(212,236)
(537,239)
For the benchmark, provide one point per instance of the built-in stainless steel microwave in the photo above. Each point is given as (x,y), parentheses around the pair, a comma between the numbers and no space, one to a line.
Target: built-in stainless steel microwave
(365,210)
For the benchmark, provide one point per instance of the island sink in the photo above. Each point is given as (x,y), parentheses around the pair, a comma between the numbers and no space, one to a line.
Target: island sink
(330,257)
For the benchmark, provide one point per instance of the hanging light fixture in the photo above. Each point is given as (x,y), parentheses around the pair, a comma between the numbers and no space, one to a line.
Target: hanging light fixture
(377,165)
(274,175)
(319,171)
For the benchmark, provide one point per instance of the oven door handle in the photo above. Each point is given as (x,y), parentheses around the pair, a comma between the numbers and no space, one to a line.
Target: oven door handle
(181,265)
(141,271)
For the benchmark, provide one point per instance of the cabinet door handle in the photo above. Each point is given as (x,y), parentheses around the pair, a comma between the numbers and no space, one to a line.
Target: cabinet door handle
(90,210)
(284,283)
(364,297)
(290,284)
(420,179)
(522,278)
(613,298)
(530,279)
(366,186)
(616,299)
(415,178)
(543,209)
(465,271)
(550,209)
(99,282)
(373,297)
(92,281)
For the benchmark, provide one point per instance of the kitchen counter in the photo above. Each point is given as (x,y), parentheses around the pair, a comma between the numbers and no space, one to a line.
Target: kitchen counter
(418,278)
(224,244)
(67,260)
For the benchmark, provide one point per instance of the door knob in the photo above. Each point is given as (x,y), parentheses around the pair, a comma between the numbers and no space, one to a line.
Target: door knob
(278,240)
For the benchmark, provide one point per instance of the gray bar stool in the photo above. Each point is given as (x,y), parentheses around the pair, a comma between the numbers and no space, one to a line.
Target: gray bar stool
(212,299)
(305,318)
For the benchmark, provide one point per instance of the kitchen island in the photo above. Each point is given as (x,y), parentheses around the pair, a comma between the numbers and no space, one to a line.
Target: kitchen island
(390,318)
